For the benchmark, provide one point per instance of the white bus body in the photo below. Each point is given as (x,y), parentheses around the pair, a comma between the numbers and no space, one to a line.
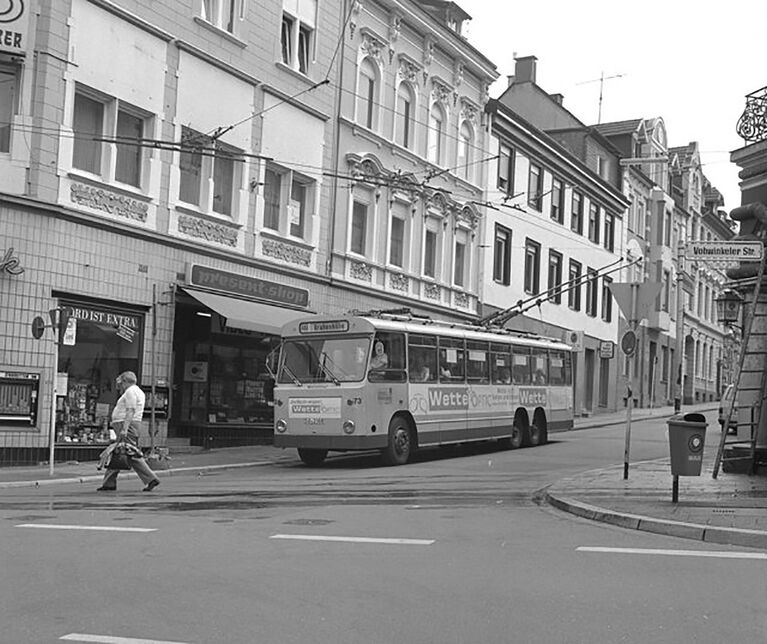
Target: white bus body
(439,384)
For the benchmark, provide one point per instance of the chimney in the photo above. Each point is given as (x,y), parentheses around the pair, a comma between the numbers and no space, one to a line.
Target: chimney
(524,70)
(510,80)
(557,98)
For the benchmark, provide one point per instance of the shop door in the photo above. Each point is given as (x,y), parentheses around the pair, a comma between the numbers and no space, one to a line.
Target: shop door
(588,390)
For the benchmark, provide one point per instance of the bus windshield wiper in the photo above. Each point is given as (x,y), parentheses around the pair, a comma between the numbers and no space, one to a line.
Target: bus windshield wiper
(291,375)
(326,370)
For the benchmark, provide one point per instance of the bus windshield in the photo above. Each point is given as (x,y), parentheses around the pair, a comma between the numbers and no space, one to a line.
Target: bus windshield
(336,360)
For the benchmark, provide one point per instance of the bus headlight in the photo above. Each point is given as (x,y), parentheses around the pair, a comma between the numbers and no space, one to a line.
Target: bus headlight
(281,425)
(348,427)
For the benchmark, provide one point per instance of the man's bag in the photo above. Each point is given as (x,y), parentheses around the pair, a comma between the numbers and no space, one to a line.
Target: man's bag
(120,459)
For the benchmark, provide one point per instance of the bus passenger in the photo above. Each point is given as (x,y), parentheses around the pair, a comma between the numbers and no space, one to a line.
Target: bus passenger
(421,371)
(379,360)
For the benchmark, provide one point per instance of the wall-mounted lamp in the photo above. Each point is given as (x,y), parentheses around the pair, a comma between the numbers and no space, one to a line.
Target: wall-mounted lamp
(728,306)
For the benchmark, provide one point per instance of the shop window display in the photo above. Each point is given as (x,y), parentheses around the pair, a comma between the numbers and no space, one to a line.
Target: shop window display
(106,343)
(226,381)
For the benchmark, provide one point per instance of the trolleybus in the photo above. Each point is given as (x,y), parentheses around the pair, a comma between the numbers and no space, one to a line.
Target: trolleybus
(395,383)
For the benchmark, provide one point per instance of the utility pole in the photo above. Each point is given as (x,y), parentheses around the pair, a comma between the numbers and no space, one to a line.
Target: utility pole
(601,80)
(679,358)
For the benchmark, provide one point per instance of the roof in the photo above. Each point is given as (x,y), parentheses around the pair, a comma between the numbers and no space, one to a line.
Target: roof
(684,152)
(618,127)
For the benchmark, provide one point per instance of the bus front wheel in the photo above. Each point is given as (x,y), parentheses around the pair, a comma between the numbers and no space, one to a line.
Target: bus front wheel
(397,451)
(312,457)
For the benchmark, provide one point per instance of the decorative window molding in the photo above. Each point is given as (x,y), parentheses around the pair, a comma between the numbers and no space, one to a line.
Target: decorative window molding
(468,110)
(408,69)
(286,252)
(441,91)
(207,230)
(399,282)
(372,45)
(360,271)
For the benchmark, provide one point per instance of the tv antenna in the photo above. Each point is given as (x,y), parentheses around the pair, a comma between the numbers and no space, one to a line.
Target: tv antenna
(601,80)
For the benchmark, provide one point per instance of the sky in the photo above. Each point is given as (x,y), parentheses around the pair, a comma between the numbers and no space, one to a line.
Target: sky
(689,62)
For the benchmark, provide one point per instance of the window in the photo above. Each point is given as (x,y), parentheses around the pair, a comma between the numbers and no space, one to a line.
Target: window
(532,266)
(88,123)
(591,292)
(200,160)
(452,366)
(477,362)
(576,213)
(535,187)
(9,89)
(359,228)
(100,118)
(397,237)
(502,255)
(609,240)
(220,13)
(505,180)
(607,300)
(465,144)
(422,358)
(557,201)
(404,116)
(555,277)
(574,280)
(602,167)
(430,253)
(288,200)
(459,269)
(297,33)
(367,93)
(436,133)
(594,222)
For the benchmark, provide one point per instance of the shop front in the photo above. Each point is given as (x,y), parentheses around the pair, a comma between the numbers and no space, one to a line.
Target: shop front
(100,343)
(222,340)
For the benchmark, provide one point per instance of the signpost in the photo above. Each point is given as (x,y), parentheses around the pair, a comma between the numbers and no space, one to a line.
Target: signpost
(724,251)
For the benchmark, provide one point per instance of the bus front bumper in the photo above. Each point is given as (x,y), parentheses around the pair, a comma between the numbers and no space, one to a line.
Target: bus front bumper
(341,443)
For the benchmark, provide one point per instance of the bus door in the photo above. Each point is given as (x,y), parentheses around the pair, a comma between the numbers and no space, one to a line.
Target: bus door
(449,402)
(386,392)
(481,412)
(423,385)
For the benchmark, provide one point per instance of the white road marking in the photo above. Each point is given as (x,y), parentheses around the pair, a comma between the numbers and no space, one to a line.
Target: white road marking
(51,526)
(108,639)
(676,553)
(311,537)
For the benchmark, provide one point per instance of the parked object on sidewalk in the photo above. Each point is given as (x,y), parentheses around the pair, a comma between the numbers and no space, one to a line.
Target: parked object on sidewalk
(728,408)
(686,439)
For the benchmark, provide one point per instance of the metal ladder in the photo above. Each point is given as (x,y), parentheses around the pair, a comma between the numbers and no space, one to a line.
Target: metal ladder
(754,367)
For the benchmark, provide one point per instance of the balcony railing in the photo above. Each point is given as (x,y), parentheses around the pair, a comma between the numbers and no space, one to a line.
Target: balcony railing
(752,124)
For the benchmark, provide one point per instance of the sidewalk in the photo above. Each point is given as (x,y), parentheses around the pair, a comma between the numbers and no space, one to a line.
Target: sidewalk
(731,509)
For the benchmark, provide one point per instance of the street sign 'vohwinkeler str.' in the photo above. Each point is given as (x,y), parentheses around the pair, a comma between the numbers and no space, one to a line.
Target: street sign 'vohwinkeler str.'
(724,251)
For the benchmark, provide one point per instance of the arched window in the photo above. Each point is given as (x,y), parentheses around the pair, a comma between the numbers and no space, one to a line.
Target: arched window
(404,116)
(436,133)
(465,145)
(367,94)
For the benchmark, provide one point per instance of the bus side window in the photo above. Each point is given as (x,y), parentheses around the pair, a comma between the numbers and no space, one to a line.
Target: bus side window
(568,356)
(477,363)
(556,368)
(520,371)
(540,367)
(423,364)
(387,360)
(452,366)
(500,364)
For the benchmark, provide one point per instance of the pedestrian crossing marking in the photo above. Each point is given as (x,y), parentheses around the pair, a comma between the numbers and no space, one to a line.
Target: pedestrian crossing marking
(108,639)
(720,554)
(101,528)
(311,537)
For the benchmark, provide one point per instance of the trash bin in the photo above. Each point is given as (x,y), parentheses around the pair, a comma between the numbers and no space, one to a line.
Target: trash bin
(686,439)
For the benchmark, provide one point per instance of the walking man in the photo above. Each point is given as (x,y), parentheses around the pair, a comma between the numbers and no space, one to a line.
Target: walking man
(126,421)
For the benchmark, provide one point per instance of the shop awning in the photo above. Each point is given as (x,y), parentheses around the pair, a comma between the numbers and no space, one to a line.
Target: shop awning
(246,314)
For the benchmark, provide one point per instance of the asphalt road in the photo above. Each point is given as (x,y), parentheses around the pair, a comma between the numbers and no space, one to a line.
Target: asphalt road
(452,548)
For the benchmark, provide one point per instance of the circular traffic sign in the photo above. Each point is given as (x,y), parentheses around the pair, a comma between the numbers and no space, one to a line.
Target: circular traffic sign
(38,327)
(629,342)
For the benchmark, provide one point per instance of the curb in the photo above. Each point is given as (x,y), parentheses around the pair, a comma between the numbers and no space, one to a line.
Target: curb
(98,477)
(695,531)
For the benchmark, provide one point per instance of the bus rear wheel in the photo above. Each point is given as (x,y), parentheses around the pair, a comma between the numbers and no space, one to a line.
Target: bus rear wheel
(515,440)
(312,457)
(400,445)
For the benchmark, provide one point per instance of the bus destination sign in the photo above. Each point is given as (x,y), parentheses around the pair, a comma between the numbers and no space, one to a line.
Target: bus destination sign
(331,326)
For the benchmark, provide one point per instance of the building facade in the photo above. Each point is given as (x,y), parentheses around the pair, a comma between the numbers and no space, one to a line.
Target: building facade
(161,179)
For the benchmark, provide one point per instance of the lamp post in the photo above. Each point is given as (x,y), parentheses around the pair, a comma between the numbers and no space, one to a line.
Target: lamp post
(728,306)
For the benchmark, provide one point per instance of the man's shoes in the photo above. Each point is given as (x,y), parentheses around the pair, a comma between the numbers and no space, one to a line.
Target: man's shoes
(151,485)
(106,489)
